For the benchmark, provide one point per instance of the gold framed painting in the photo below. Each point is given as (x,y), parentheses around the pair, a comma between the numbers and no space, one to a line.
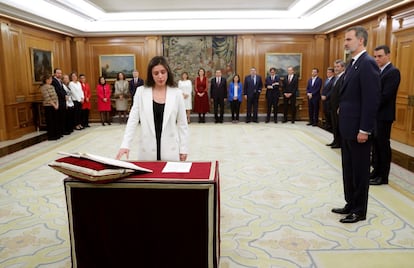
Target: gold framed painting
(111,65)
(281,61)
(42,63)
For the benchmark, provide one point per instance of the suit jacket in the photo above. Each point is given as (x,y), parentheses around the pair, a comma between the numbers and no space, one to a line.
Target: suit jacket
(270,82)
(334,93)
(60,92)
(326,90)
(390,80)
(316,88)
(218,91)
(250,88)
(359,97)
(174,136)
(133,86)
(292,86)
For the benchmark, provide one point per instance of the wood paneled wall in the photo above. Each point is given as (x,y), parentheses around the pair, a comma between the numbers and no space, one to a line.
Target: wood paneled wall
(18,91)
(81,54)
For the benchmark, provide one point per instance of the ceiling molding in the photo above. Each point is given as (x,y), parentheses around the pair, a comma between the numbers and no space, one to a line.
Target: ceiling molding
(217,25)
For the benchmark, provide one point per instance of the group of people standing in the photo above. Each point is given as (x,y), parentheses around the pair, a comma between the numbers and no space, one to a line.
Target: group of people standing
(66,101)
(220,93)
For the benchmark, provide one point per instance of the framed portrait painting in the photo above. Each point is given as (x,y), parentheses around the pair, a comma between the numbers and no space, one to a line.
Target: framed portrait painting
(111,65)
(281,61)
(42,63)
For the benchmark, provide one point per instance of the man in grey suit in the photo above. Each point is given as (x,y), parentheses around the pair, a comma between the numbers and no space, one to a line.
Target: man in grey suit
(381,150)
(252,88)
(358,104)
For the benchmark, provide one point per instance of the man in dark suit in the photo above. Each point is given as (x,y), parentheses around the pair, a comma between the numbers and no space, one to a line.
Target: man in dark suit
(290,88)
(134,84)
(358,104)
(325,96)
(218,95)
(381,151)
(313,91)
(61,93)
(272,94)
(339,67)
(252,88)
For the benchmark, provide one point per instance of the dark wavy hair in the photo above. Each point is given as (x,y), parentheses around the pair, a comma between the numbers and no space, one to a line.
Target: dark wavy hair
(159,60)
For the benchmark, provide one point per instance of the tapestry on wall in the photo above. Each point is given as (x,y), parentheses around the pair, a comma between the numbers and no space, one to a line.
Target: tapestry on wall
(190,53)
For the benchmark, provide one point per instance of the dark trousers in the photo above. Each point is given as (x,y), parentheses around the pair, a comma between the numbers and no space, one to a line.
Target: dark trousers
(70,119)
(327,113)
(52,126)
(381,150)
(272,98)
(77,113)
(355,172)
(313,105)
(61,120)
(235,109)
(289,102)
(85,117)
(218,102)
(335,126)
(252,104)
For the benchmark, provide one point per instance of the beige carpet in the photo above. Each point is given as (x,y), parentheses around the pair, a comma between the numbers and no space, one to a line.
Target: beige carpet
(278,184)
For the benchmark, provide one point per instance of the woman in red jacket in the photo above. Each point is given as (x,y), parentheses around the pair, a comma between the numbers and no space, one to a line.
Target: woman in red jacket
(86,105)
(103,91)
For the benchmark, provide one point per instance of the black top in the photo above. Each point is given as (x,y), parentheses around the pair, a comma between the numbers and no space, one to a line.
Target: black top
(158,109)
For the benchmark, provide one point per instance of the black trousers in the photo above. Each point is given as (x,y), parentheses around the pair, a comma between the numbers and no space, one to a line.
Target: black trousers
(52,126)
(252,104)
(218,102)
(355,172)
(235,109)
(335,126)
(272,98)
(289,103)
(381,150)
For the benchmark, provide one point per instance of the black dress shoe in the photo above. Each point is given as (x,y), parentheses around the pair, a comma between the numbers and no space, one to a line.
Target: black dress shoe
(335,146)
(377,181)
(351,218)
(343,210)
(373,175)
(309,124)
(330,144)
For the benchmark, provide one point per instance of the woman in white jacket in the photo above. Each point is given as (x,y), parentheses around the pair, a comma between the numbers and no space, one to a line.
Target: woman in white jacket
(159,106)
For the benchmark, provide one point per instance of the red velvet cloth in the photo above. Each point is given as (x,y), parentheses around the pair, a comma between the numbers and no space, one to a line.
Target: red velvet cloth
(198,171)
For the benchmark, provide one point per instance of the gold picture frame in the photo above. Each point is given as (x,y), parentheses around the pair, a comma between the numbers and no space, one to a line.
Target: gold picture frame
(281,61)
(111,65)
(42,64)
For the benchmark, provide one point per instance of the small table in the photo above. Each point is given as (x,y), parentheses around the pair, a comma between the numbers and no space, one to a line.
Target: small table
(149,220)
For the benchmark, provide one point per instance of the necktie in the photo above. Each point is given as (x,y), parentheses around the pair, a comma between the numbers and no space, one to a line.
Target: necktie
(135,81)
(254,80)
(290,79)
(273,78)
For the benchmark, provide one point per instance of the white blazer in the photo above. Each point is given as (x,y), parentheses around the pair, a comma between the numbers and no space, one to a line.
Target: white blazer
(174,136)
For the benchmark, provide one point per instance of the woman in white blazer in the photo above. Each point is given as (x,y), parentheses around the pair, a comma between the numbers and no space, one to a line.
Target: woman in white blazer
(159,106)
